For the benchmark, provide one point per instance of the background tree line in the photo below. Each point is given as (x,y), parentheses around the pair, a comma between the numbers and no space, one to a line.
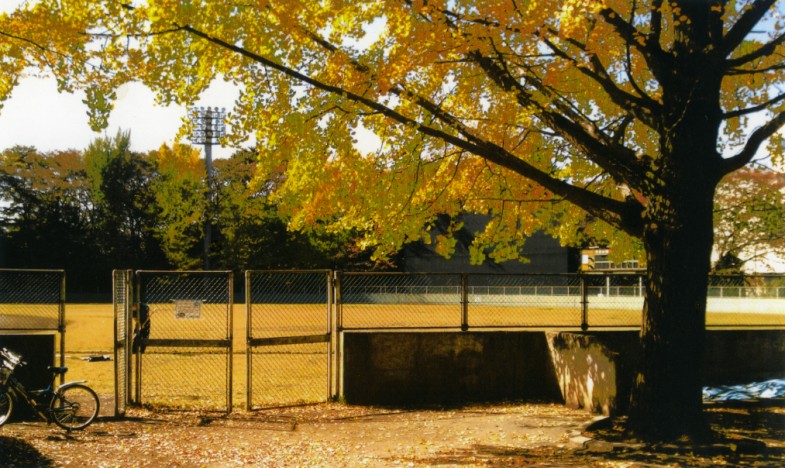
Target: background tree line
(109,207)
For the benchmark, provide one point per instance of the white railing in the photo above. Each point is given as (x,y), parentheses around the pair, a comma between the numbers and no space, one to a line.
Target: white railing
(750,292)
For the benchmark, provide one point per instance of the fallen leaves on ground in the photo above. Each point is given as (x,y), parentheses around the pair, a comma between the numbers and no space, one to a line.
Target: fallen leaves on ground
(336,434)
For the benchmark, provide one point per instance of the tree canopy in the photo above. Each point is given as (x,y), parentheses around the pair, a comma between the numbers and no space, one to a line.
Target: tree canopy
(585,118)
(749,222)
(108,207)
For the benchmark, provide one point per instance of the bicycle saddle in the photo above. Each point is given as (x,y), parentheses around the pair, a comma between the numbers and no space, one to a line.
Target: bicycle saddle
(57,370)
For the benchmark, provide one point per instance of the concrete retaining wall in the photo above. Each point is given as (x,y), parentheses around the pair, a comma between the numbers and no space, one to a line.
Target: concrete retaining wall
(447,368)
(584,370)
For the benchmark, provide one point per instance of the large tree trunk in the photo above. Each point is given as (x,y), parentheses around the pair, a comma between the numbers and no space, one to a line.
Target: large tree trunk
(667,400)
(667,392)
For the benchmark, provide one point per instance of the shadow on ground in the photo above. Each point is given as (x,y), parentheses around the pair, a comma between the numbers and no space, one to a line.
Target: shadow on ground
(15,452)
(749,433)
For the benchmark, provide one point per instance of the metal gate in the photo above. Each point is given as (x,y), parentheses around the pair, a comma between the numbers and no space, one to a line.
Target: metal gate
(122,281)
(183,351)
(289,352)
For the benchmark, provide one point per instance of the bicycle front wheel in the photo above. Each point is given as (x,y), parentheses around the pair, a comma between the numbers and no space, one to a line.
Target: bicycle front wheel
(6,406)
(74,407)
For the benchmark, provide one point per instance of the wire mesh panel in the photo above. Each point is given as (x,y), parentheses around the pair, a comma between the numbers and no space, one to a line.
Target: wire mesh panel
(186,378)
(524,300)
(288,374)
(187,305)
(750,300)
(122,299)
(289,340)
(400,300)
(183,339)
(615,300)
(32,299)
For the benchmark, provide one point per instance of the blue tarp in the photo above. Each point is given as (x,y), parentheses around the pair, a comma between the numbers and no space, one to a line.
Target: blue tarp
(774,388)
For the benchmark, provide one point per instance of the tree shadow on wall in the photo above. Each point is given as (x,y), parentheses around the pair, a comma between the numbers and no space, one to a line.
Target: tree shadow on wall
(15,452)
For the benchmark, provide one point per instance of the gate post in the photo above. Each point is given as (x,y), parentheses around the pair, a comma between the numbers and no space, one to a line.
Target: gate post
(338,336)
(230,334)
(331,335)
(248,347)
(122,288)
(61,324)
(584,302)
(138,354)
(464,301)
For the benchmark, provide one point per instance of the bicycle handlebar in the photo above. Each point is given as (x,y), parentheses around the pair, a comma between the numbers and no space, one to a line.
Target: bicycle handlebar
(12,357)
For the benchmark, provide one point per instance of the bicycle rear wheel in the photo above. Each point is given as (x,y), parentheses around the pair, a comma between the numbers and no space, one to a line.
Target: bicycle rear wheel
(75,407)
(6,406)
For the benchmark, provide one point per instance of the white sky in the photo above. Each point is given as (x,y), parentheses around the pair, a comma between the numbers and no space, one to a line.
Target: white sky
(37,115)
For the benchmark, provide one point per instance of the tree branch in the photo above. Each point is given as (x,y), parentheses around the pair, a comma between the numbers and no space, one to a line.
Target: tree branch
(753,144)
(647,45)
(453,122)
(628,62)
(602,149)
(755,71)
(753,109)
(624,216)
(744,25)
(655,21)
(24,39)
(763,51)
(642,107)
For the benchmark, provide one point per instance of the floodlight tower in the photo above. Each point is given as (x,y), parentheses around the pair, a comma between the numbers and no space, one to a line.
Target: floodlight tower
(208,129)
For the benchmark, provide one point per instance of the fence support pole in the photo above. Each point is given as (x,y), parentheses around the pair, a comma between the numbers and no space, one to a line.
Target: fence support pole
(61,324)
(464,301)
(330,360)
(230,336)
(584,303)
(338,336)
(248,348)
(137,354)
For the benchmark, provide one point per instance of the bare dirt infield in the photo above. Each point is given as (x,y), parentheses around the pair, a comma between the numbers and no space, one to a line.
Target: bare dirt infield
(339,435)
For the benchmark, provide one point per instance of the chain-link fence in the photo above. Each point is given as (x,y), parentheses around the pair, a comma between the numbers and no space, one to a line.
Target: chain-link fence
(613,300)
(400,300)
(32,300)
(289,320)
(292,350)
(482,301)
(509,301)
(183,339)
(757,300)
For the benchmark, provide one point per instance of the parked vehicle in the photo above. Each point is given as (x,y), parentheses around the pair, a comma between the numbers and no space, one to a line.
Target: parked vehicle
(72,406)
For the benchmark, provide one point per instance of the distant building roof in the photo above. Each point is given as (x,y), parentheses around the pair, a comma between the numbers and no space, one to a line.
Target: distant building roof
(544,253)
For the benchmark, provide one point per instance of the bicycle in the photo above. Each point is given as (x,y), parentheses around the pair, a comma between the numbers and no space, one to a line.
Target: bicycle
(72,406)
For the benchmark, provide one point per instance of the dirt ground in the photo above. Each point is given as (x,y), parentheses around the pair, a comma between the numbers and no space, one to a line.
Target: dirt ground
(339,435)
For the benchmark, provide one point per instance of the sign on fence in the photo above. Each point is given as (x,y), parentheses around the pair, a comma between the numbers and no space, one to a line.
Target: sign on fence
(188,310)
